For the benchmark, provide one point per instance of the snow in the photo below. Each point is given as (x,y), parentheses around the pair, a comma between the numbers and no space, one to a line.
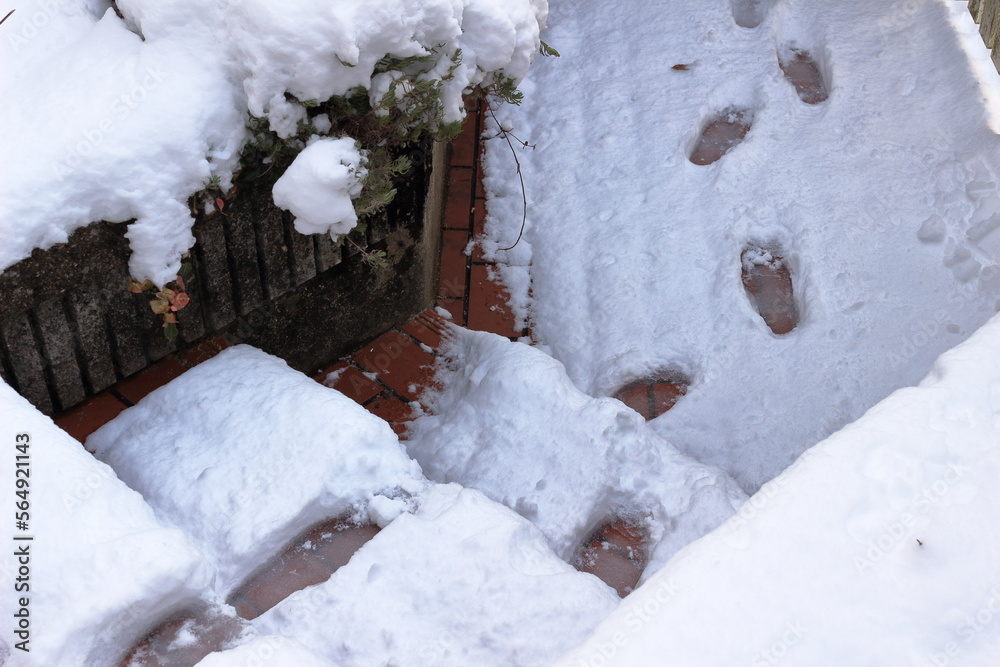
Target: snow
(269,651)
(320,184)
(101,568)
(460,581)
(509,423)
(883,198)
(877,547)
(125,119)
(243,453)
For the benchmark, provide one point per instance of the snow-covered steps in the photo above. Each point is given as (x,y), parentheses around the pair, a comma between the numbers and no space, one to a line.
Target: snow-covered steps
(460,580)
(242,453)
(877,547)
(509,422)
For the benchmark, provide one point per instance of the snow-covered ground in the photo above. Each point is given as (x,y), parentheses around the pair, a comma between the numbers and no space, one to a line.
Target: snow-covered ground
(878,547)
(510,423)
(100,567)
(884,198)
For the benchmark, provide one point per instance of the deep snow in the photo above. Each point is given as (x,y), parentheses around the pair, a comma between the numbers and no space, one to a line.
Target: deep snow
(100,567)
(242,453)
(509,422)
(877,547)
(883,198)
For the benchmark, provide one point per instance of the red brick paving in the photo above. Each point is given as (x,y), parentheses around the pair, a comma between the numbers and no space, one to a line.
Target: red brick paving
(636,396)
(310,559)
(488,309)
(86,418)
(454,263)
(139,385)
(170,644)
(456,308)
(803,73)
(458,206)
(769,286)
(464,150)
(478,228)
(428,328)
(351,382)
(654,395)
(720,136)
(665,395)
(393,410)
(203,350)
(473,299)
(399,362)
(616,554)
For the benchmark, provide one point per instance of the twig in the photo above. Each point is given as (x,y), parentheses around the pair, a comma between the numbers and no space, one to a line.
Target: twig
(524,196)
(7,17)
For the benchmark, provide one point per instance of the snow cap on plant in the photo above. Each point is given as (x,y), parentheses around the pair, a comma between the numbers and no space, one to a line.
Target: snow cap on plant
(320,184)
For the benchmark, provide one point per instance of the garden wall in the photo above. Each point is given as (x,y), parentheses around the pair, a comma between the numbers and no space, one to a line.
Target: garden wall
(69,327)
(987,15)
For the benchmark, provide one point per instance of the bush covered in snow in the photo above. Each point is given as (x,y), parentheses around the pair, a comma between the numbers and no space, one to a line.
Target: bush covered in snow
(163,94)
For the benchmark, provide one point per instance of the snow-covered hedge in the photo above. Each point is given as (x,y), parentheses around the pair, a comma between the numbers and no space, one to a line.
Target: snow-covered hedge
(115,118)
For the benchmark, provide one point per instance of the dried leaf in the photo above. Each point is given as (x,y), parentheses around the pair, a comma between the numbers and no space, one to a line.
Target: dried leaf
(181,299)
(159,306)
(136,287)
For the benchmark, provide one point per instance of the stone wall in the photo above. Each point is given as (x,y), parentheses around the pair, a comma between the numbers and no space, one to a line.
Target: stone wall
(987,15)
(69,327)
